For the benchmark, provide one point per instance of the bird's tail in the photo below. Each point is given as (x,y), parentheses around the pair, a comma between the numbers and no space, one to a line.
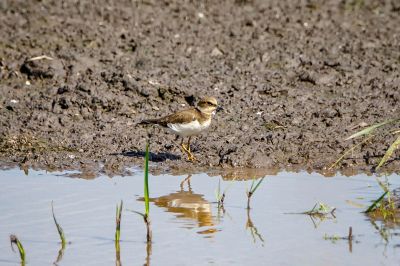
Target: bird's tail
(148,122)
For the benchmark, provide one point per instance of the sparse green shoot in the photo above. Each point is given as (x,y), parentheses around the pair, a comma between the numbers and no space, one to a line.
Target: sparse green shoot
(146,182)
(252,190)
(146,214)
(347,152)
(389,152)
(370,129)
(59,228)
(368,132)
(221,196)
(15,241)
(384,205)
(118,217)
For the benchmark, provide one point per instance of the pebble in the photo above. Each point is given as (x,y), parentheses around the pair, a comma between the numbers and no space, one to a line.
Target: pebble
(216,52)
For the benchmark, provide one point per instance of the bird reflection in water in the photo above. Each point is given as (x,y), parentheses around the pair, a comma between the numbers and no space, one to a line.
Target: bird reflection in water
(189,206)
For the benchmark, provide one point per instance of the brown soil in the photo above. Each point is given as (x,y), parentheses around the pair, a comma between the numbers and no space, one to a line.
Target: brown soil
(320,69)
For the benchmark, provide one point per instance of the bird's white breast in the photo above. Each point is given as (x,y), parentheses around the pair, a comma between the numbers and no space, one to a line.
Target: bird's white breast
(189,129)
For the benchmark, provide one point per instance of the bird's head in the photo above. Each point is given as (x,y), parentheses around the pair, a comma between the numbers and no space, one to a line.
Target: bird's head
(208,105)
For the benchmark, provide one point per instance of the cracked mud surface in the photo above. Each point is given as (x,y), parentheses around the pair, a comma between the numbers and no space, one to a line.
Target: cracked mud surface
(294,79)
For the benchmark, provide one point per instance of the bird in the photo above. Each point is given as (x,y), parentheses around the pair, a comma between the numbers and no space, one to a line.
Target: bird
(189,122)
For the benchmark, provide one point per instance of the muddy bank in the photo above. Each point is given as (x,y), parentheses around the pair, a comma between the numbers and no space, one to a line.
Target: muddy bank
(319,71)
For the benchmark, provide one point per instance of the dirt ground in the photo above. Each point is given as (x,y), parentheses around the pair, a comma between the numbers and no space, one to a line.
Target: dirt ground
(295,78)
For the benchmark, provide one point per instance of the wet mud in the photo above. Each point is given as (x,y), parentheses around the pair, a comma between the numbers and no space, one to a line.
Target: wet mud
(294,80)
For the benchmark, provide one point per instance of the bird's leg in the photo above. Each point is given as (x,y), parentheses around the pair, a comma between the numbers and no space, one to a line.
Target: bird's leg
(183,146)
(190,155)
(186,149)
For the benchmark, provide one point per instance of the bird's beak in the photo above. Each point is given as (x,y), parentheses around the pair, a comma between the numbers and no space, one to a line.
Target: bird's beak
(219,108)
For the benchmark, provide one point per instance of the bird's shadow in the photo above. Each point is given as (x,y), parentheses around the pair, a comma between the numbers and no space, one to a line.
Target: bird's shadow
(153,157)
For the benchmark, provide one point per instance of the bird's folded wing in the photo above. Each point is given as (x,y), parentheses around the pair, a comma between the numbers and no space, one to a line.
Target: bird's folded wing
(182,117)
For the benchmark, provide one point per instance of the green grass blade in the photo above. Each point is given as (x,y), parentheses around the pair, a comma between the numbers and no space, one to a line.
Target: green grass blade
(146,182)
(370,129)
(139,213)
(252,185)
(258,184)
(14,240)
(118,218)
(59,228)
(349,151)
(376,202)
(218,191)
(389,152)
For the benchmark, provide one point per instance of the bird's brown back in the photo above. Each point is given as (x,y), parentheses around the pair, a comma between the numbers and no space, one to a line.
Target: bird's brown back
(180,117)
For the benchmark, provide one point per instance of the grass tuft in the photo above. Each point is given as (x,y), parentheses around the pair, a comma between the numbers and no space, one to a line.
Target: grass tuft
(384,206)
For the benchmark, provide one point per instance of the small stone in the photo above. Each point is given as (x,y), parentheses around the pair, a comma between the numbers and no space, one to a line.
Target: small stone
(265,57)
(216,52)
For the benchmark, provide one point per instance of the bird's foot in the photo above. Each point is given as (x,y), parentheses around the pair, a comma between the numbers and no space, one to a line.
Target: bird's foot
(191,157)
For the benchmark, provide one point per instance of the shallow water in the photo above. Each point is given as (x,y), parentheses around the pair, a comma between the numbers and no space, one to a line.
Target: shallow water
(187,227)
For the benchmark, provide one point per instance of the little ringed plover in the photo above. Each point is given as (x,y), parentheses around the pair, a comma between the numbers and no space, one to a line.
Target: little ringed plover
(189,122)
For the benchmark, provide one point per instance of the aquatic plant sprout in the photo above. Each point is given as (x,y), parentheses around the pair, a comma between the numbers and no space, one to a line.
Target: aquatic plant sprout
(15,241)
(384,205)
(118,217)
(253,189)
(146,181)
(59,228)
(221,196)
(146,215)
